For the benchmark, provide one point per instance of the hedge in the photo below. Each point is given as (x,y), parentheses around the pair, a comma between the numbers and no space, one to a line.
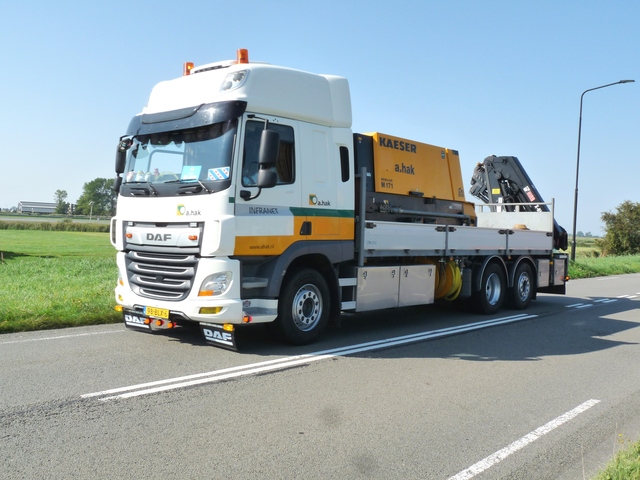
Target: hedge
(65,225)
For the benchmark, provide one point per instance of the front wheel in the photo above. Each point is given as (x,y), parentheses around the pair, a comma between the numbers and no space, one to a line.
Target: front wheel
(303,308)
(490,297)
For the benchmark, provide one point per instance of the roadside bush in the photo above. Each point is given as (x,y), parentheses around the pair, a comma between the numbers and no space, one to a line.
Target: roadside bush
(65,225)
(623,230)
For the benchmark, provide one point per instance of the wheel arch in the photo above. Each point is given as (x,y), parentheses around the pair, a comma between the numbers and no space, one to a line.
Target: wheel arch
(479,268)
(324,267)
(511,275)
(320,255)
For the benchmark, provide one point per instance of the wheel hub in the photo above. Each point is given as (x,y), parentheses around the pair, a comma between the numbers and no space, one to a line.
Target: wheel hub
(307,307)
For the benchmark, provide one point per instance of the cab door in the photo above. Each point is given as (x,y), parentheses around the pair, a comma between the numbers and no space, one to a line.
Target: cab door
(271,221)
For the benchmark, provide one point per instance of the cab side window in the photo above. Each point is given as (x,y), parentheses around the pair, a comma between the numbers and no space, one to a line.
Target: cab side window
(286,155)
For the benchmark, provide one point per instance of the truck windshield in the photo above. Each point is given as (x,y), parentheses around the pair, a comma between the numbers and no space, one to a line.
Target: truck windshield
(200,154)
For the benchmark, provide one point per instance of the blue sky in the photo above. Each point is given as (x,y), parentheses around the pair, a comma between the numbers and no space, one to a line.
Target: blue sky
(483,77)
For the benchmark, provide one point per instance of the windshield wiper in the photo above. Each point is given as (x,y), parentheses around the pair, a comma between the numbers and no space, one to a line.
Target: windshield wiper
(154,192)
(204,187)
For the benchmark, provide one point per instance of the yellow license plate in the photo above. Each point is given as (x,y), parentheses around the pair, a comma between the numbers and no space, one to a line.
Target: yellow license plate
(156,312)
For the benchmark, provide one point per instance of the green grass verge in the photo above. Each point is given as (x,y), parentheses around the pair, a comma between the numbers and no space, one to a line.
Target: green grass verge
(624,466)
(588,267)
(53,279)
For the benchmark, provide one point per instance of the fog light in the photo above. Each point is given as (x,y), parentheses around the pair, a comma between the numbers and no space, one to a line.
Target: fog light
(118,308)
(228,327)
(210,310)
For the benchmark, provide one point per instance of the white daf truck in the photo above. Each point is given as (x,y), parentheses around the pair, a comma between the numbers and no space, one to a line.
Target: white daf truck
(245,198)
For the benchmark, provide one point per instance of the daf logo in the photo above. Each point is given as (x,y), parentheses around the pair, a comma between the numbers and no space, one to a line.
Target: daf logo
(134,319)
(157,237)
(215,335)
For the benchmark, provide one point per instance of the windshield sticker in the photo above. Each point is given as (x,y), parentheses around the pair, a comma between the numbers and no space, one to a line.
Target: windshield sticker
(218,173)
(190,172)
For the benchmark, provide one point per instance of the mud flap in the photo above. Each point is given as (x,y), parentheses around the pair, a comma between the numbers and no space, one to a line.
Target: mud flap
(216,335)
(136,321)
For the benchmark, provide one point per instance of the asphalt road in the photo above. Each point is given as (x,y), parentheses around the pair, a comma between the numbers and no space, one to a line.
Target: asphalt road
(420,393)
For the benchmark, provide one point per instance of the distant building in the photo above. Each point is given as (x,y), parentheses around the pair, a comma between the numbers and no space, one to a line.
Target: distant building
(36,207)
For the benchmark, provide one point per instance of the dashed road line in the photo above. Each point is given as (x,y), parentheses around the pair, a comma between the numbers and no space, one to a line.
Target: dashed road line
(600,301)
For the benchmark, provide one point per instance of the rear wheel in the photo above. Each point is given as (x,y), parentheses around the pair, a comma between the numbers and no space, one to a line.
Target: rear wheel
(491,295)
(303,308)
(521,293)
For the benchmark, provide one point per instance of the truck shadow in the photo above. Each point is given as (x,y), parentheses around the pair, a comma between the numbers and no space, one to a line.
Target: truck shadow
(548,334)
(554,329)
(6,256)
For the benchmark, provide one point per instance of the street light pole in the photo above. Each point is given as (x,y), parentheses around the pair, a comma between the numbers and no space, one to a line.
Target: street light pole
(575,199)
(91,212)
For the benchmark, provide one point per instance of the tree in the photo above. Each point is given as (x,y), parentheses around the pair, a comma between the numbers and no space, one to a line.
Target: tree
(61,205)
(97,197)
(622,229)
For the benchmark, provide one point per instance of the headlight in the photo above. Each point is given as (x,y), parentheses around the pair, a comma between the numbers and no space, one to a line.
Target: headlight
(216,284)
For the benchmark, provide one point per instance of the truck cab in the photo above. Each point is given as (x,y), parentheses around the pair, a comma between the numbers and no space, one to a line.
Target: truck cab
(215,202)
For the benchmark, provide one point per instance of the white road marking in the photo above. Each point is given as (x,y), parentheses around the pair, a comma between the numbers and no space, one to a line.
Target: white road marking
(58,337)
(286,362)
(500,455)
(600,301)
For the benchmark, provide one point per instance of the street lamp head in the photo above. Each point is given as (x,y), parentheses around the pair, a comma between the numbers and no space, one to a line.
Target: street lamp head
(626,81)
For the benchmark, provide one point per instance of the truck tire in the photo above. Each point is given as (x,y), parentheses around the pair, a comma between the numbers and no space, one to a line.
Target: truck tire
(303,308)
(490,297)
(521,293)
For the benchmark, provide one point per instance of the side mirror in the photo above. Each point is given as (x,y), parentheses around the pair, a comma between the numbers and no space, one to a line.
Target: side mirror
(267,178)
(269,146)
(120,161)
(267,157)
(121,154)
(117,183)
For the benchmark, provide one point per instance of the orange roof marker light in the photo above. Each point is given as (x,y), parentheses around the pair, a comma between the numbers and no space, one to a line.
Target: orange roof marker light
(242,55)
(186,68)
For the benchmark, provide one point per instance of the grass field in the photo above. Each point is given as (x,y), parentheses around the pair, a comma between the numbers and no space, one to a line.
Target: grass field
(52,279)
